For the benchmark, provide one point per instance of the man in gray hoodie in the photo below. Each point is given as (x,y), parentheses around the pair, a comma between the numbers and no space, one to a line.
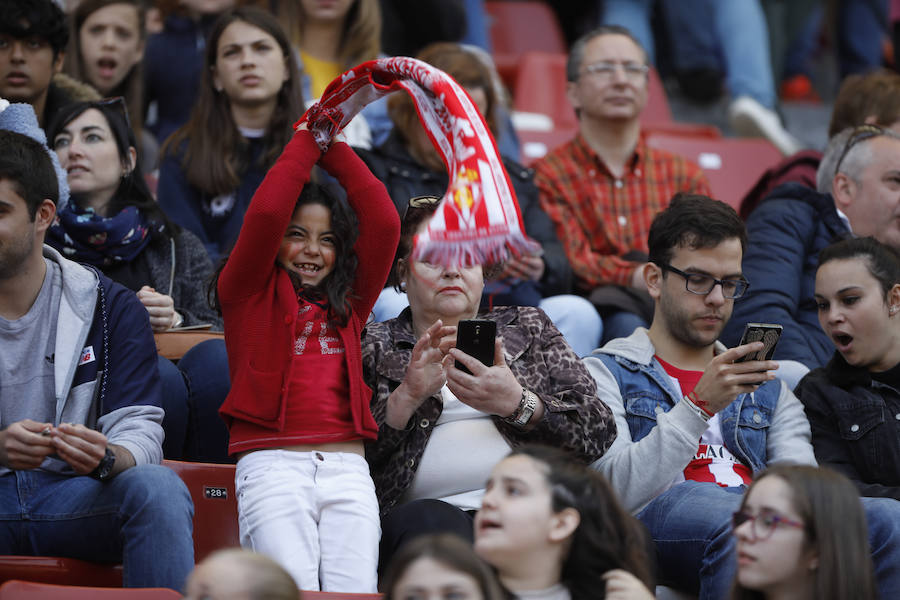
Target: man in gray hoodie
(80,412)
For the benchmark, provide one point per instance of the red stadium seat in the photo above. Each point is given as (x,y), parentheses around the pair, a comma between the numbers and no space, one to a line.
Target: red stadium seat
(215,526)
(518,27)
(215,506)
(732,165)
(29,590)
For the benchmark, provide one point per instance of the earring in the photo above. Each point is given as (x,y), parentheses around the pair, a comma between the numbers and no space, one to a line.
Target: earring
(403,286)
(893,310)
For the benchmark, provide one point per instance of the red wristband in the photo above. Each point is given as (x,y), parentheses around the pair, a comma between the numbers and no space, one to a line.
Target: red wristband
(701,404)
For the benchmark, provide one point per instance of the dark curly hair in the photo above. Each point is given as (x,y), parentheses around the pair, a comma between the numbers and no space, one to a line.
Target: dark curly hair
(42,18)
(336,287)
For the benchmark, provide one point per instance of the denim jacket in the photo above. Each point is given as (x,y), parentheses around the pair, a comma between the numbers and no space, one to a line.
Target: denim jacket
(659,433)
(855,424)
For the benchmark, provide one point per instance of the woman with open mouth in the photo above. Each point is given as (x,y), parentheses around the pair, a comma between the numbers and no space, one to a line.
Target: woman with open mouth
(853,403)
(106,49)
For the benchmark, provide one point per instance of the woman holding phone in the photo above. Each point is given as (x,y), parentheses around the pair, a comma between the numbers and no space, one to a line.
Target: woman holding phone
(853,402)
(428,409)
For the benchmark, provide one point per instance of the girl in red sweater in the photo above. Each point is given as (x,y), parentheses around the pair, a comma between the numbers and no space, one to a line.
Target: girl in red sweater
(295,294)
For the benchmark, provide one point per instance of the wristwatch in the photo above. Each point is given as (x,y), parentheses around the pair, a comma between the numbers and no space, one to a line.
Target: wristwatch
(103,472)
(524,411)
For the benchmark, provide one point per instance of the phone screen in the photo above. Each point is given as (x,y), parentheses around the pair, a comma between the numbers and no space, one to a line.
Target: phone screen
(476,337)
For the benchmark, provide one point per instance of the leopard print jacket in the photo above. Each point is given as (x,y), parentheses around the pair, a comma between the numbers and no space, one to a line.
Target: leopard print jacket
(574,417)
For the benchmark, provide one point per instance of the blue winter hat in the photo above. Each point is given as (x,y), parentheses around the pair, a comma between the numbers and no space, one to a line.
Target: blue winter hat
(20,118)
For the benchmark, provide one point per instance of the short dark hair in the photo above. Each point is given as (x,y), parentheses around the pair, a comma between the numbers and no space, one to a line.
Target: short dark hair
(25,163)
(42,18)
(882,261)
(693,221)
(576,54)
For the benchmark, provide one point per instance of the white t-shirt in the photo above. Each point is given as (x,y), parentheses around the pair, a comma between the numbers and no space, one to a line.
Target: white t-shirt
(463,448)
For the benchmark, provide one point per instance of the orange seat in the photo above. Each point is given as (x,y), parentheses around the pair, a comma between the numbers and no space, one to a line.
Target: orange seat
(29,590)
(215,526)
(174,344)
(732,165)
(519,27)
(215,506)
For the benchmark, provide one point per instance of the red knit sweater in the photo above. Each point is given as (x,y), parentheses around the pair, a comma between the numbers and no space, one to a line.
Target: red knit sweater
(259,304)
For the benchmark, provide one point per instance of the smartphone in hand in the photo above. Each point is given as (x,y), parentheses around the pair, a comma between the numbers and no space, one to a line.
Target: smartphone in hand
(767,333)
(476,338)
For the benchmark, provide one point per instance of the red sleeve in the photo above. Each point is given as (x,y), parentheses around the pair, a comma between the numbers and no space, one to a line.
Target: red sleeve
(252,261)
(379,225)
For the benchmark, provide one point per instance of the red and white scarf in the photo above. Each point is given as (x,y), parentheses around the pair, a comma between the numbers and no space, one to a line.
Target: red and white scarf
(478,220)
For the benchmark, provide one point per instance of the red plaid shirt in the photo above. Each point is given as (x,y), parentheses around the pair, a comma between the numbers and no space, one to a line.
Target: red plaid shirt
(600,218)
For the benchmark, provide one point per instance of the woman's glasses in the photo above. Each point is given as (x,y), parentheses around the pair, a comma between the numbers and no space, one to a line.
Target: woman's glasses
(764,524)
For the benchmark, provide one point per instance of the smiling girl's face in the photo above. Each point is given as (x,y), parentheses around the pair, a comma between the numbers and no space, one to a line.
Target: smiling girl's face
(309,246)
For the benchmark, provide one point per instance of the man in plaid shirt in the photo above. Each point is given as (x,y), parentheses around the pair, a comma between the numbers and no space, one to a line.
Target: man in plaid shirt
(603,188)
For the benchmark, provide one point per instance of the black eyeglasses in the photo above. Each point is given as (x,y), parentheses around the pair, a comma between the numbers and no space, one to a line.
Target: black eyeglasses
(859,134)
(764,524)
(700,284)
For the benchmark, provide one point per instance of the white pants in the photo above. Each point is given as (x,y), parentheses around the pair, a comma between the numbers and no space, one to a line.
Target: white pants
(315,513)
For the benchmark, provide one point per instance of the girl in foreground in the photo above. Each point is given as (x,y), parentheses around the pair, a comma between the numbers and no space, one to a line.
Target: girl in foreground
(440,566)
(801,533)
(295,294)
(554,530)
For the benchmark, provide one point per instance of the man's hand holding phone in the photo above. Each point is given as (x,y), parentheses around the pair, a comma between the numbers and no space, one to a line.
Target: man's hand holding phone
(726,377)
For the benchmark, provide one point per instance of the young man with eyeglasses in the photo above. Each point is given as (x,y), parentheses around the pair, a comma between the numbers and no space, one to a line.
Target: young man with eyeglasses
(603,188)
(693,424)
(858,194)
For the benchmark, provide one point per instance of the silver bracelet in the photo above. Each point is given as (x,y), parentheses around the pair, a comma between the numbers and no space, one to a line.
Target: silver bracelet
(696,409)
(525,410)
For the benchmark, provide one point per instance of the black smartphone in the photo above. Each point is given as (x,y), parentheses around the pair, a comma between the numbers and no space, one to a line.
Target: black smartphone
(767,333)
(476,337)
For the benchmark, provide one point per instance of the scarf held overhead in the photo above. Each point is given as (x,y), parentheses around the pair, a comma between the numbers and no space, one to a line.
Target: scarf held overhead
(478,219)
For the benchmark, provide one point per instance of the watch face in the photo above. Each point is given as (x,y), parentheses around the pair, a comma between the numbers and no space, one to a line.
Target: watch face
(106,465)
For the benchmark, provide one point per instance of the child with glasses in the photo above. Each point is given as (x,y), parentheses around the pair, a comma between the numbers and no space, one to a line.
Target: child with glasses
(801,533)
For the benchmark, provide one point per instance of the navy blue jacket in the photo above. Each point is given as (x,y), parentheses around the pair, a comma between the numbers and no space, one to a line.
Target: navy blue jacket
(786,232)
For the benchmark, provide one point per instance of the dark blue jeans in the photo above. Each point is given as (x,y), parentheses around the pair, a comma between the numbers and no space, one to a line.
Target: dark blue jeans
(205,370)
(142,517)
(691,526)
